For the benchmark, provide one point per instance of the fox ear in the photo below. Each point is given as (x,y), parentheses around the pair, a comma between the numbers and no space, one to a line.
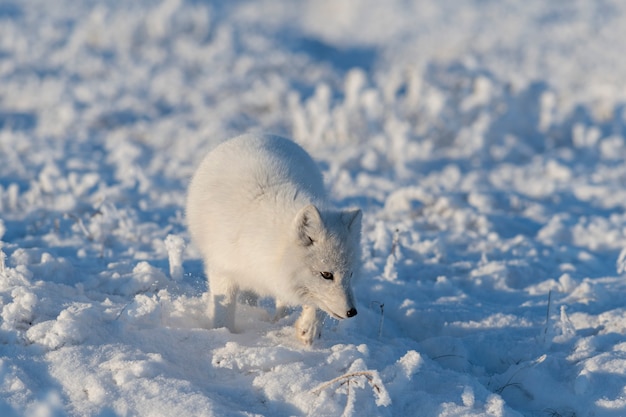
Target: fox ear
(308,224)
(352,219)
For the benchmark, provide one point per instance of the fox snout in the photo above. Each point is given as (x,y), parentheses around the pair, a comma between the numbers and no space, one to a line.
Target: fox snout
(338,312)
(351,310)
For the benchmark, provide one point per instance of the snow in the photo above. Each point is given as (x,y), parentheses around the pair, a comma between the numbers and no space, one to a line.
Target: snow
(484,141)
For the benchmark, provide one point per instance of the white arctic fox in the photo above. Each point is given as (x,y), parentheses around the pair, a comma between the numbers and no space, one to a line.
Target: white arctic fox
(257,211)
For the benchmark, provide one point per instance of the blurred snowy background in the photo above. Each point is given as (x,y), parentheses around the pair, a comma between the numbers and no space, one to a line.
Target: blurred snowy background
(483,139)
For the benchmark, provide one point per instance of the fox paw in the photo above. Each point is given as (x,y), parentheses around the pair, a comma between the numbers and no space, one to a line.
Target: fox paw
(308,331)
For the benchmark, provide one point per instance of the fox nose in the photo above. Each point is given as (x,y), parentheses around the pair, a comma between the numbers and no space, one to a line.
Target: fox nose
(352,312)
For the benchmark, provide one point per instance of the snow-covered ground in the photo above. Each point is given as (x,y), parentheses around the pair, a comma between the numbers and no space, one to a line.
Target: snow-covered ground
(484,141)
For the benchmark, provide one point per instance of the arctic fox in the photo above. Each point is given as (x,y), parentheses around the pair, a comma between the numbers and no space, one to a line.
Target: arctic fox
(257,210)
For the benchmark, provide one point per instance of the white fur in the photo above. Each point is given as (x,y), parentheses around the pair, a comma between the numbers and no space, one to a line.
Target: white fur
(257,210)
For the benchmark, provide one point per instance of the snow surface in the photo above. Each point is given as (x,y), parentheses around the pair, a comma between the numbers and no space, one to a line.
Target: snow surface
(484,140)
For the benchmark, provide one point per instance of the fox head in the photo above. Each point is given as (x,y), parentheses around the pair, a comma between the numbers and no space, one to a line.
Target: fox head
(328,255)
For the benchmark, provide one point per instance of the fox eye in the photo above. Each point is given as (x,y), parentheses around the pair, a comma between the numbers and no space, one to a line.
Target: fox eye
(327,275)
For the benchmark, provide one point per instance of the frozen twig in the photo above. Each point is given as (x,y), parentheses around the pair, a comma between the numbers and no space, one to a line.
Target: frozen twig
(352,379)
(545,330)
(519,385)
(621,262)
(382,317)
(80,224)
(369,375)
(395,243)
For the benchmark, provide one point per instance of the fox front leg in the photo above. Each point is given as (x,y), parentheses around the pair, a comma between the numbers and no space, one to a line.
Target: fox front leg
(224,295)
(282,310)
(309,324)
